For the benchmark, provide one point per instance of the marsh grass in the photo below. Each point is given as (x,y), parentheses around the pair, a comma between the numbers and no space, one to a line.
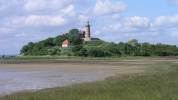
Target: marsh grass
(160,84)
(77,58)
(63,59)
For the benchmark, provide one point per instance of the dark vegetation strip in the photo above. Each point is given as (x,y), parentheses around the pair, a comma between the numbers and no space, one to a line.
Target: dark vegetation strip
(84,60)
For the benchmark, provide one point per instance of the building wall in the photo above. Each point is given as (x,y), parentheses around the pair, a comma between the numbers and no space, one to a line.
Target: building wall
(65,45)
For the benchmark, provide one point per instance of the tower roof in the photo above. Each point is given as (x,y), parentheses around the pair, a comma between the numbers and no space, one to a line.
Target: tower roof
(66,42)
(88,24)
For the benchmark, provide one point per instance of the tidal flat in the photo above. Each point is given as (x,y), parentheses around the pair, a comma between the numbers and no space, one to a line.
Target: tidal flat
(32,76)
(20,77)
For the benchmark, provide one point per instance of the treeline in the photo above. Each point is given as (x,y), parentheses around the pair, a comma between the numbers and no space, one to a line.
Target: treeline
(99,48)
(131,48)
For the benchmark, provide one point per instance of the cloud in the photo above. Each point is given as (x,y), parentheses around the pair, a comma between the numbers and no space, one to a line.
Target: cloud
(166,21)
(35,20)
(32,20)
(83,18)
(137,22)
(69,11)
(174,34)
(174,1)
(5,30)
(129,25)
(11,7)
(36,5)
(49,5)
(105,7)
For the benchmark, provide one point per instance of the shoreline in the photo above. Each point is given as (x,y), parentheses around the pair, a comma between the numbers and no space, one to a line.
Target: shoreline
(43,60)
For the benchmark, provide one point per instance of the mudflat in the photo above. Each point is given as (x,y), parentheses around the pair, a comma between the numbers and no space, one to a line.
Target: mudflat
(36,75)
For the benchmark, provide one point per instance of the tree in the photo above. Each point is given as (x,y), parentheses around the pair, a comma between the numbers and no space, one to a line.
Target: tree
(27,49)
(133,42)
(74,37)
(59,39)
(48,42)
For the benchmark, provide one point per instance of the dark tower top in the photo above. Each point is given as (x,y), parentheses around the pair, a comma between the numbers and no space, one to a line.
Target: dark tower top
(88,24)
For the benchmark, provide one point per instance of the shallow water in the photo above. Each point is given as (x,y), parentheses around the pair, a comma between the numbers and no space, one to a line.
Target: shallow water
(17,79)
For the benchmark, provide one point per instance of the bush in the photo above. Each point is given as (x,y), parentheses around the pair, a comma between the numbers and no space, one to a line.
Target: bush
(146,54)
(162,53)
(97,52)
(82,52)
(54,51)
(66,52)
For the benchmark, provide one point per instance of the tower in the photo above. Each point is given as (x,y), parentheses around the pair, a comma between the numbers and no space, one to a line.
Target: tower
(87,32)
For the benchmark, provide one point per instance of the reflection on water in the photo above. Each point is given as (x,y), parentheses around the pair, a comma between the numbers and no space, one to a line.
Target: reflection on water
(14,80)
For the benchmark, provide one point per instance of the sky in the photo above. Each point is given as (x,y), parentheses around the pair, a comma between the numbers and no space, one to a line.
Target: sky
(23,21)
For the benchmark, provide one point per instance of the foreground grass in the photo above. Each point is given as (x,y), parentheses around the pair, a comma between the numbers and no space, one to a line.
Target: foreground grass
(161,84)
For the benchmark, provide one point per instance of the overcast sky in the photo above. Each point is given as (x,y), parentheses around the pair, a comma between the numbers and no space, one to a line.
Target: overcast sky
(22,21)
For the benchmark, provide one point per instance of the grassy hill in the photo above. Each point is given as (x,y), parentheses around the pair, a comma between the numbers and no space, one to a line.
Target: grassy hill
(97,48)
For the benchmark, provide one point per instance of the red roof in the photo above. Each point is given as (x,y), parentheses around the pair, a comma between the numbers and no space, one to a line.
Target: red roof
(66,42)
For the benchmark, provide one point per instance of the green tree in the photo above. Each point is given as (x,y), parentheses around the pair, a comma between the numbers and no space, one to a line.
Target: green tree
(59,39)
(133,42)
(74,37)
(27,49)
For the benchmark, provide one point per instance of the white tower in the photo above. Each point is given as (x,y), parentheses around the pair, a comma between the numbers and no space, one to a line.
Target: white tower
(87,32)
